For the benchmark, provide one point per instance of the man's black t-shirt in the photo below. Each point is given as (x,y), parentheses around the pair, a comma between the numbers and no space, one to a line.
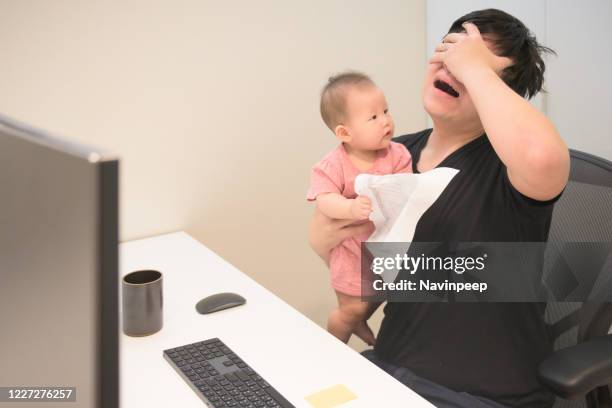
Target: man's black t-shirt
(486,349)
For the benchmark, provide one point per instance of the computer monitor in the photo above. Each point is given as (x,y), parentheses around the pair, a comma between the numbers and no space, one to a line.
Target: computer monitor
(58,267)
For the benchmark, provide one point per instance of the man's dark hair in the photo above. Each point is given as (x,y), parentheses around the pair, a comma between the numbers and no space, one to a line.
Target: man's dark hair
(513,40)
(333,96)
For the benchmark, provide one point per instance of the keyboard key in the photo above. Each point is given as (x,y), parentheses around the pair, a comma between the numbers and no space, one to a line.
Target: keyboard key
(231,377)
(242,375)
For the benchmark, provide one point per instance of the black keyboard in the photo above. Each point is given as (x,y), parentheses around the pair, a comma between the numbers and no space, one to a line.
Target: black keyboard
(220,377)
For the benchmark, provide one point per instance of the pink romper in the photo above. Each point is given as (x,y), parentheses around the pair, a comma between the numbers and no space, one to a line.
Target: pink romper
(336,174)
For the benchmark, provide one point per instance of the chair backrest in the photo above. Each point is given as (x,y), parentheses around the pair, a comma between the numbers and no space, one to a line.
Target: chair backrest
(582,214)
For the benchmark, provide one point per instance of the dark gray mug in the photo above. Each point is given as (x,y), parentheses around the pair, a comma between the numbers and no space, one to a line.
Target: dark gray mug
(142,302)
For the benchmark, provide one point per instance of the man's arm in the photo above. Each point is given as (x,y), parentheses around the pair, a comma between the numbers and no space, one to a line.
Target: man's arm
(528,144)
(325,233)
(523,138)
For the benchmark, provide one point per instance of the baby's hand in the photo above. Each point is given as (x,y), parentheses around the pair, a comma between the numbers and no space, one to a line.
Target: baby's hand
(361,207)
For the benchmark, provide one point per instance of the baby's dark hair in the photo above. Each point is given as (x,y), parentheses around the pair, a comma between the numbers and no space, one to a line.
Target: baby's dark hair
(333,96)
(513,40)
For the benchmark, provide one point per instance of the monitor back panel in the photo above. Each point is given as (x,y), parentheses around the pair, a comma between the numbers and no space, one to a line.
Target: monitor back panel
(51,270)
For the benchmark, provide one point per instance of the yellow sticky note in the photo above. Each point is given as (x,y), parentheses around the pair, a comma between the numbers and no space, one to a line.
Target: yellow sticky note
(331,397)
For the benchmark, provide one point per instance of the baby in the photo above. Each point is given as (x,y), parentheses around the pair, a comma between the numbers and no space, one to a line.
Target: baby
(357,112)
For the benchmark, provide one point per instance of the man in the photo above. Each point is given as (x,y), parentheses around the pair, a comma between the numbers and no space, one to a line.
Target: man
(513,167)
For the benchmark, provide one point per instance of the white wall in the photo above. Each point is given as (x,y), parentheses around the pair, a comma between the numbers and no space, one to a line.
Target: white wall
(578,80)
(213,107)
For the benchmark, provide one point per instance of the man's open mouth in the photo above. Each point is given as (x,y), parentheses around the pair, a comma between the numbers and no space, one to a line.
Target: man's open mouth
(445,87)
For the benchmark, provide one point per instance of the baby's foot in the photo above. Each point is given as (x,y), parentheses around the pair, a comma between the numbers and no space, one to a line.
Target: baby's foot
(363,331)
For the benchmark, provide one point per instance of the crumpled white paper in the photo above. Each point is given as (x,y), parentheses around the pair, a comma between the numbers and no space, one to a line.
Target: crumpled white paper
(399,200)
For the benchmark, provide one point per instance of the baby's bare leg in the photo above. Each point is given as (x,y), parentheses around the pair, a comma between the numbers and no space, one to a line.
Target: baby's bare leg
(350,317)
(337,325)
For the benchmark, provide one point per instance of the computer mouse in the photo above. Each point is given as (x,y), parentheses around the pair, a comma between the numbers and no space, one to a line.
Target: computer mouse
(219,301)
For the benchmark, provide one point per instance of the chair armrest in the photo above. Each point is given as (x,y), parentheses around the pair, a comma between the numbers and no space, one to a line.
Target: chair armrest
(574,371)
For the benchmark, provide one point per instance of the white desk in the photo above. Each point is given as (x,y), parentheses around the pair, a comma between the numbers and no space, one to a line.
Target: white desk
(291,352)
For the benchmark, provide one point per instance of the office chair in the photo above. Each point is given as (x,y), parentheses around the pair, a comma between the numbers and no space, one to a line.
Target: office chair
(579,371)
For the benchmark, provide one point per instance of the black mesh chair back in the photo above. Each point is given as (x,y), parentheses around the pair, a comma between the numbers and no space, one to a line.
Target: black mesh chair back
(583,214)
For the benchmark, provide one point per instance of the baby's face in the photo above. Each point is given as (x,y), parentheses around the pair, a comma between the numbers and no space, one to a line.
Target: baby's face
(369,122)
